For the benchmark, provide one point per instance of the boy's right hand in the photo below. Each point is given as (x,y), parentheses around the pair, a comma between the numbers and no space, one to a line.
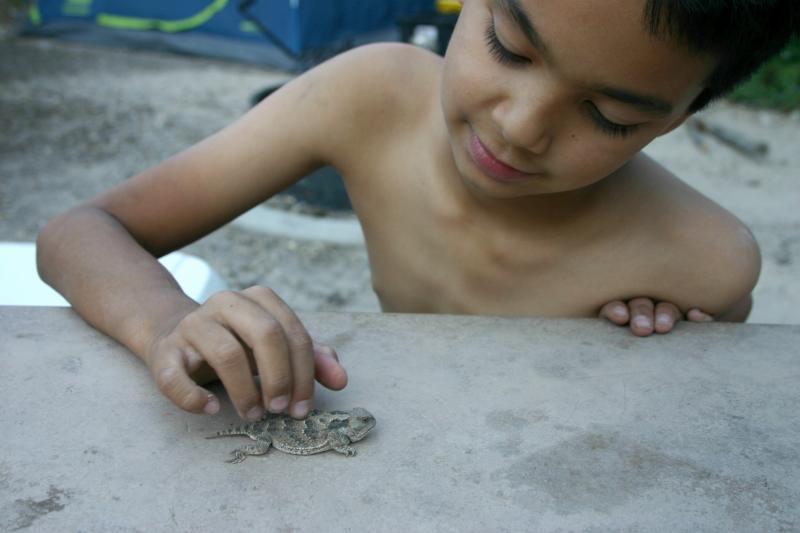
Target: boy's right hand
(240,335)
(645,316)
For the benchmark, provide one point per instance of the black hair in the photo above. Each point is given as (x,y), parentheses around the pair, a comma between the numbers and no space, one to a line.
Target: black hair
(742,34)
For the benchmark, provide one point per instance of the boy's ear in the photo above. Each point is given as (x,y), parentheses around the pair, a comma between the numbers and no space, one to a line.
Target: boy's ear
(678,122)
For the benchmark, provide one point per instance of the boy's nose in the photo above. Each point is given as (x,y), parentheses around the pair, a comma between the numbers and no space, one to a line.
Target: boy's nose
(527,122)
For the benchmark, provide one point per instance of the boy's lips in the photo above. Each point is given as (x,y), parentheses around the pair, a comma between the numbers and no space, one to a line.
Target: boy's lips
(490,165)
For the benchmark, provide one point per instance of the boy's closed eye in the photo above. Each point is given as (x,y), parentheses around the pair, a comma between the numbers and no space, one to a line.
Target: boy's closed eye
(505,56)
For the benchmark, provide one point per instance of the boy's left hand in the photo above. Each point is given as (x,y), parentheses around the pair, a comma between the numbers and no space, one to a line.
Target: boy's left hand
(644,316)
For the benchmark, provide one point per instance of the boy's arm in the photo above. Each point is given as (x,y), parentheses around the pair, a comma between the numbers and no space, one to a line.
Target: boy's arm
(123,291)
(705,263)
(102,256)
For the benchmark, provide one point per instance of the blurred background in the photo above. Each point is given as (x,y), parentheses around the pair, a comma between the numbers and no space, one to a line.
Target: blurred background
(94,91)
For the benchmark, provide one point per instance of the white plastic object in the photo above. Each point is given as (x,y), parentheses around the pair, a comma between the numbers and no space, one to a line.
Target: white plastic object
(20,283)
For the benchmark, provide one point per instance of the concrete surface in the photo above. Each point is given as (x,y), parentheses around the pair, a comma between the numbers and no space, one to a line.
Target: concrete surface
(484,424)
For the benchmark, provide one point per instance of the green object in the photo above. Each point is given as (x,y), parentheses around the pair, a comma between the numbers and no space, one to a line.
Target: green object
(167,26)
(35,15)
(776,85)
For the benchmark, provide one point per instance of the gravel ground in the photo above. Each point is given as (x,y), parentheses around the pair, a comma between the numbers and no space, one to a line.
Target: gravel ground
(78,119)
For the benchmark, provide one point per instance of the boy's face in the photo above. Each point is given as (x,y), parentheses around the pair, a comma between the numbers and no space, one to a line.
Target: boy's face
(545,96)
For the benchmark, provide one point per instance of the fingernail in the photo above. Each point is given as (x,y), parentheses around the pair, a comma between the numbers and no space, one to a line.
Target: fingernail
(662,320)
(279,404)
(618,312)
(641,322)
(255,413)
(300,409)
(212,406)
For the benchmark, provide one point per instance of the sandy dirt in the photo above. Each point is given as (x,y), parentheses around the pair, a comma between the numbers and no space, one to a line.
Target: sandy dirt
(78,119)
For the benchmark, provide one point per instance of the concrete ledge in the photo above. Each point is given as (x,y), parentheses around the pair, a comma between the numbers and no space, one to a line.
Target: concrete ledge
(484,424)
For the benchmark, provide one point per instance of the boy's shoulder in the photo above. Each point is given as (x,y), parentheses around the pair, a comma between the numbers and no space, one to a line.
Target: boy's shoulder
(392,75)
(700,251)
(401,58)
(372,91)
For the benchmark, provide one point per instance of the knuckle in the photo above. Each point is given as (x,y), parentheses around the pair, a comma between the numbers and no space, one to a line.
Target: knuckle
(190,322)
(277,381)
(271,331)
(168,380)
(187,402)
(668,310)
(184,398)
(222,298)
(261,291)
(299,339)
(228,354)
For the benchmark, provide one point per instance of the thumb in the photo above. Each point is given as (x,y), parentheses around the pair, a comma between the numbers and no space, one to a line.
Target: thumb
(327,368)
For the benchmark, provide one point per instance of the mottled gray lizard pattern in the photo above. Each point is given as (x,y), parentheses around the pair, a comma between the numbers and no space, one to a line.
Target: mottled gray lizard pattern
(319,432)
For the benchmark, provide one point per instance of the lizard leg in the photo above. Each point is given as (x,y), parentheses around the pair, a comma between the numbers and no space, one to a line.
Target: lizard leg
(259,448)
(341,444)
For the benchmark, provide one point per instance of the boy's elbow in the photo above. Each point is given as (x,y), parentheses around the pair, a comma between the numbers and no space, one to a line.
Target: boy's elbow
(54,238)
(48,233)
(739,312)
(743,268)
(750,267)
(47,242)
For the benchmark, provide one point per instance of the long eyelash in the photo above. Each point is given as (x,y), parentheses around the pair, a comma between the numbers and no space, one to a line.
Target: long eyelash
(608,127)
(504,56)
(615,130)
(500,52)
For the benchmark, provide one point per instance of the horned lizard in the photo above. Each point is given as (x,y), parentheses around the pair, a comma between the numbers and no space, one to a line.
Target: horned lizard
(319,432)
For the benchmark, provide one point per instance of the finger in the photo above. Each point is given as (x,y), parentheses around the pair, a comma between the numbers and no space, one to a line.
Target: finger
(300,347)
(616,312)
(225,353)
(327,368)
(172,378)
(666,315)
(696,315)
(641,311)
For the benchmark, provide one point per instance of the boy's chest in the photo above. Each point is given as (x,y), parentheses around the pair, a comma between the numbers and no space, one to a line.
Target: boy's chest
(432,270)
(424,259)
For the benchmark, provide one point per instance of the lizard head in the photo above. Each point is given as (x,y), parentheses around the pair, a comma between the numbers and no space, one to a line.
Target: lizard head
(359,423)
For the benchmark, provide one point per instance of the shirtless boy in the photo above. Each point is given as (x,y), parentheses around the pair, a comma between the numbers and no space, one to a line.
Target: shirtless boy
(504,179)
